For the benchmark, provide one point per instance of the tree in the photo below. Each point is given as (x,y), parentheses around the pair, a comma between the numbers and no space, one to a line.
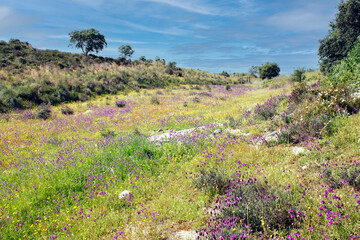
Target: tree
(269,70)
(342,35)
(225,74)
(126,51)
(142,59)
(298,75)
(254,71)
(88,40)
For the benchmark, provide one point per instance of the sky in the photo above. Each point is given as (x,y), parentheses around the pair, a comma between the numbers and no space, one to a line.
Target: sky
(211,35)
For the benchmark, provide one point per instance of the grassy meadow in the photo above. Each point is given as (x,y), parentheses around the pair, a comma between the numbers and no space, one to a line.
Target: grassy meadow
(103,172)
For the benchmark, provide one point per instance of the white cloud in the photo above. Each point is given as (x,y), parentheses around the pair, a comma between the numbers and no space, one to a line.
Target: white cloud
(309,17)
(190,6)
(9,19)
(175,31)
(59,36)
(126,41)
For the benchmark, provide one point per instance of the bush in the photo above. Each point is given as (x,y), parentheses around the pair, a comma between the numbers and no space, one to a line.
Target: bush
(196,99)
(43,112)
(67,110)
(120,104)
(253,206)
(269,109)
(225,74)
(155,100)
(213,182)
(228,87)
(298,75)
(348,70)
(257,202)
(336,175)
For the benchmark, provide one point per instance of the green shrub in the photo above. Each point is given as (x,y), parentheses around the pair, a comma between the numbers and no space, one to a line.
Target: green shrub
(43,112)
(348,70)
(262,206)
(120,104)
(67,110)
(212,181)
(228,87)
(298,75)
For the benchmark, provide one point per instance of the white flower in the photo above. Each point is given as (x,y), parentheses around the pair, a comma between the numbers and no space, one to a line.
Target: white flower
(124,194)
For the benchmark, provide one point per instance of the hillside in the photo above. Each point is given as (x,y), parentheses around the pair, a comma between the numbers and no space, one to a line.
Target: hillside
(30,77)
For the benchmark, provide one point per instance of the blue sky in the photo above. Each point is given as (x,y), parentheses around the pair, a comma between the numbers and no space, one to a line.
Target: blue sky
(229,35)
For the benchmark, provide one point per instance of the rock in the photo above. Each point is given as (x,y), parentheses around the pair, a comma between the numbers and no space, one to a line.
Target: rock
(185,235)
(88,111)
(217,131)
(298,150)
(304,167)
(272,136)
(236,132)
(160,130)
(124,194)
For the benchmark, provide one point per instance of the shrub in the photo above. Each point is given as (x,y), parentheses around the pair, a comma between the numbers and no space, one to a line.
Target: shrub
(120,104)
(67,110)
(228,87)
(155,100)
(196,99)
(108,133)
(43,112)
(336,175)
(298,75)
(269,108)
(253,206)
(225,74)
(348,71)
(257,202)
(213,181)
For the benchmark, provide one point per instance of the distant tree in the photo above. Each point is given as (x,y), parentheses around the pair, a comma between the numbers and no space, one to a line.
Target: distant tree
(88,40)
(254,71)
(142,59)
(342,35)
(171,68)
(126,51)
(225,74)
(269,70)
(298,75)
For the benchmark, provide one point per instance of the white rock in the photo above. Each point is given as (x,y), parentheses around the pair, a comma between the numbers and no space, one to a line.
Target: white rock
(298,150)
(304,167)
(88,112)
(185,235)
(124,194)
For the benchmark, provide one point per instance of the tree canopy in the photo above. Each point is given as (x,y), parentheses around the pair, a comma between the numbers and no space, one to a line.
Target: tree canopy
(126,51)
(88,40)
(269,70)
(342,35)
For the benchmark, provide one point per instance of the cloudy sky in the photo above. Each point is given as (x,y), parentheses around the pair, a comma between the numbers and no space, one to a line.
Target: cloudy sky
(212,35)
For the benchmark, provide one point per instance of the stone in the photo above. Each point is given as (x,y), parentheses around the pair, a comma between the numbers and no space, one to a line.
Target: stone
(88,111)
(217,131)
(298,150)
(124,194)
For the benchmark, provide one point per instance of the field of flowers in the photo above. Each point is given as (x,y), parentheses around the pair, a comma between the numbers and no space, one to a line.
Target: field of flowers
(103,172)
